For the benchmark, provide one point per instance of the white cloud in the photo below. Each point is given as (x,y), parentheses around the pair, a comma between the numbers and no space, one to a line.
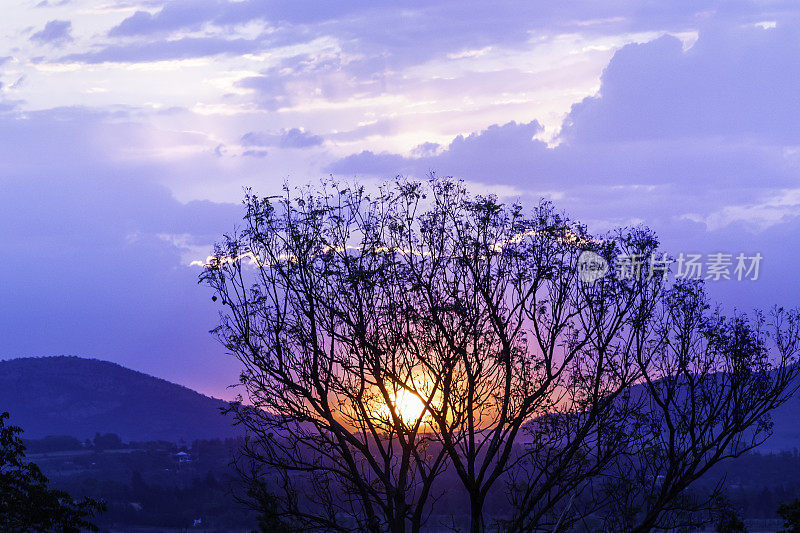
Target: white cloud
(775,209)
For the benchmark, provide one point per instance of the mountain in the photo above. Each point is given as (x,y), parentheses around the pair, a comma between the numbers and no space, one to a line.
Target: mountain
(82,397)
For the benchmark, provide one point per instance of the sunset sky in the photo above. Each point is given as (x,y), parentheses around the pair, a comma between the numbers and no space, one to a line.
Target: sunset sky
(128,130)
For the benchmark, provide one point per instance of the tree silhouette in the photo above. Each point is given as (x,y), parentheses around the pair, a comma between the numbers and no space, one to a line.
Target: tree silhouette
(709,384)
(790,512)
(394,342)
(330,361)
(26,503)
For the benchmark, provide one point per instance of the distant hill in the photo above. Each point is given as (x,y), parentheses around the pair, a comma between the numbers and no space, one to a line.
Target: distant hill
(786,427)
(82,397)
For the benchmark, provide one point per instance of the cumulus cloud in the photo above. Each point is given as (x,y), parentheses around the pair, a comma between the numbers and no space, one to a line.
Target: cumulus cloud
(55,32)
(734,82)
(298,138)
(507,150)
(709,132)
(675,138)
(291,138)
(255,153)
(178,15)
(323,73)
(699,142)
(426,149)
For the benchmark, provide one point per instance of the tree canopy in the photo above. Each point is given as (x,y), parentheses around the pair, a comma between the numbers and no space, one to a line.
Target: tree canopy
(402,345)
(26,502)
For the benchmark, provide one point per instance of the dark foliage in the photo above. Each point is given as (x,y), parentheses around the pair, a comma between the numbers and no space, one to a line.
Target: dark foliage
(26,502)
(107,441)
(790,512)
(52,443)
(402,343)
(727,518)
(148,485)
(267,505)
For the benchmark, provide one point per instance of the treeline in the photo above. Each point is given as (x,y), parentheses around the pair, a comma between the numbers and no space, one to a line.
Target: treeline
(63,443)
(155,483)
(757,484)
(148,485)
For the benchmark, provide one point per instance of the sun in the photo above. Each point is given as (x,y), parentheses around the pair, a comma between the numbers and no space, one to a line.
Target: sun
(409,406)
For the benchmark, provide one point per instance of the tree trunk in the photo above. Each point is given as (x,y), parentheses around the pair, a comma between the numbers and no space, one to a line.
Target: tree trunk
(398,525)
(476,524)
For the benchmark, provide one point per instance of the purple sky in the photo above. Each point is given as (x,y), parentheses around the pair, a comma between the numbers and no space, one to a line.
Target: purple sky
(128,129)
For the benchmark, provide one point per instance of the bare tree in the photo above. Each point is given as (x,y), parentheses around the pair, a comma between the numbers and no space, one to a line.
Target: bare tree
(389,339)
(520,338)
(709,384)
(330,360)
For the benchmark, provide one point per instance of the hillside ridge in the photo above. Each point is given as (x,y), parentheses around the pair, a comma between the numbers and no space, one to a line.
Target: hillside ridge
(72,395)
